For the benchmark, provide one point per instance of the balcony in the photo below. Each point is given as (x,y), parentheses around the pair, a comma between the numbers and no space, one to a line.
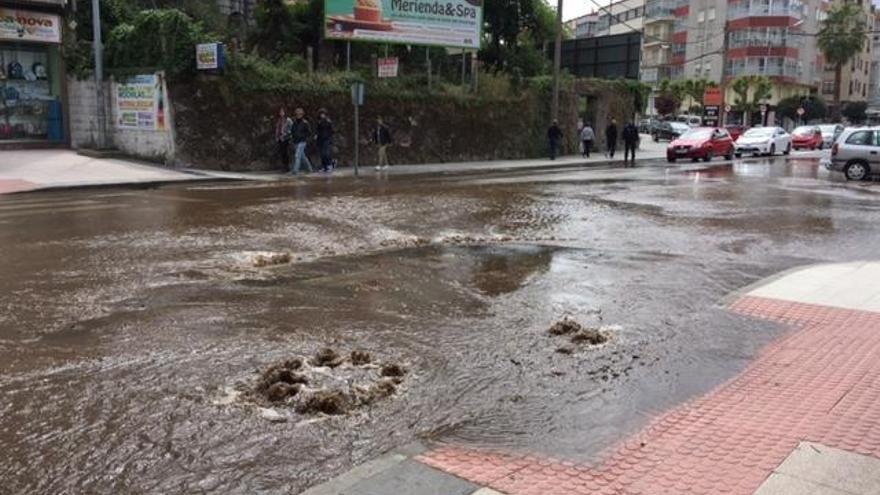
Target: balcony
(764,37)
(758,8)
(660,10)
(770,67)
(654,74)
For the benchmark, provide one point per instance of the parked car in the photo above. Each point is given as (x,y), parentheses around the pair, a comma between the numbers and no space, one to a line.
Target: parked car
(807,137)
(763,141)
(830,133)
(701,143)
(647,126)
(735,130)
(690,120)
(669,131)
(856,153)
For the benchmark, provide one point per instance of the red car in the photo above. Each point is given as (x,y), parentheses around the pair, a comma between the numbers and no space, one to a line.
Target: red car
(735,131)
(807,137)
(701,143)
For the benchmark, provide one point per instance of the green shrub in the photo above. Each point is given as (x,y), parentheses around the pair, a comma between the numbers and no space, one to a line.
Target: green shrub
(162,39)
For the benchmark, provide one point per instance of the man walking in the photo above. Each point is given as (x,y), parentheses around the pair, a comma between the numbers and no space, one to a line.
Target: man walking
(554,136)
(630,143)
(611,138)
(324,138)
(382,138)
(587,138)
(300,133)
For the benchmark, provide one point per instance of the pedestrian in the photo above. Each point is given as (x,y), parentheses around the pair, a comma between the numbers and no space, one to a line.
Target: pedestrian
(300,132)
(587,138)
(282,137)
(554,136)
(324,138)
(611,138)
(382,139)
(630,143)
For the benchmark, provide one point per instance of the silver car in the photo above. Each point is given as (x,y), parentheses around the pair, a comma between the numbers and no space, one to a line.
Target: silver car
(830,133)
(856,153)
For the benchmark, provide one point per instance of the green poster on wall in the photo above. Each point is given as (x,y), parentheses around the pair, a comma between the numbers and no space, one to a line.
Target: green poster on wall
(451,23)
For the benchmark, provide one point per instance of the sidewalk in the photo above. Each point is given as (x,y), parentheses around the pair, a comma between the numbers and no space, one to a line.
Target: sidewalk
(803,418)
(30,170)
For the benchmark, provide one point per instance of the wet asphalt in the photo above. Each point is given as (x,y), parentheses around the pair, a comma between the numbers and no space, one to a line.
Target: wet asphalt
(128,316)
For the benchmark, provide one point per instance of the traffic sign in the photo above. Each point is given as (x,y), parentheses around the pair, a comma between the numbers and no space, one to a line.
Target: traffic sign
(728,108)
(800,111)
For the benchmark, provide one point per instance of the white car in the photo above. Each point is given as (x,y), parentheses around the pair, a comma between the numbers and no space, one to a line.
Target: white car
(763,141)
(830,132)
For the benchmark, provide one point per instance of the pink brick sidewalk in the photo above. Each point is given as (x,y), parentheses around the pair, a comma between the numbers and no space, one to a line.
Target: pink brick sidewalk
(820,382)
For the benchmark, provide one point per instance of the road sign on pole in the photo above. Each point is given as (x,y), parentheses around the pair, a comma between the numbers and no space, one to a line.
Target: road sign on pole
(800,111)
(357,99)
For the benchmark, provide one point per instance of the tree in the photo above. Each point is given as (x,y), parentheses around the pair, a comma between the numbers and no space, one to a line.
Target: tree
(157,39)
(855,111)
(638,91)
(695,88)
(515,26)
(841,38)
(665,104)
(814,108)
(760,89)
(277,30)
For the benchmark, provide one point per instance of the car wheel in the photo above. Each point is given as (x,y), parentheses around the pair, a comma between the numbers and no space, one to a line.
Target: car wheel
(856,171)
(656,138)
(695,159)
(670,160)
(729,155)
(787,150)
(821,145)
(738,155)
(772,150)
(709,156)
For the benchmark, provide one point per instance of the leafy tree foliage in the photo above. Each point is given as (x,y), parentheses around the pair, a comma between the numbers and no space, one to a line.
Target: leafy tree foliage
(855,111)
(841,38)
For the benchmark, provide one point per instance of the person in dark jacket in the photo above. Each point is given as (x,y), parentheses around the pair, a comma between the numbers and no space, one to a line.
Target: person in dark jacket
(282,137)
(611,138)
(630,143)
(324,138)
(554,136)
(382,139)
(300,132)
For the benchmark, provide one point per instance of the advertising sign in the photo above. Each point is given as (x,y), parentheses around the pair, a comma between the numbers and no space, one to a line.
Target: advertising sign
(452,23)
(388,67)
(140,103)
(710,115)
(713,96)
(24,25)
(210,56)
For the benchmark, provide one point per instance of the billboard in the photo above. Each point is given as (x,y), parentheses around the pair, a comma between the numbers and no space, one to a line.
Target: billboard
(140,103)
(450,23)
(24,25)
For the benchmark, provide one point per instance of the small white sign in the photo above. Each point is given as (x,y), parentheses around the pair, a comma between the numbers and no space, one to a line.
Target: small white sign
(208,56)
(388,67)
(727,108)
(800,111)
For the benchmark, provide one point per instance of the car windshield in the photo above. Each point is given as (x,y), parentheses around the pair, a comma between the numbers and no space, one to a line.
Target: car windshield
(828,129)
(804,130)
(676,126)
(697,134)
(759,132)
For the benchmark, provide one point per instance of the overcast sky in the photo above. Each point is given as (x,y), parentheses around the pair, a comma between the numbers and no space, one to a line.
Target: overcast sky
(574,8)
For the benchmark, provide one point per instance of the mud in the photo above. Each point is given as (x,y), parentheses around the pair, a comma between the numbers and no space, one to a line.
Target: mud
(589,336)
(326,357)
(331,402)
(360,358)
(392,370)
(565,326)
(125,325)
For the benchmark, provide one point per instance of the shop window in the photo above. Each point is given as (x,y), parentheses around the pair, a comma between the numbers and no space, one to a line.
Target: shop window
(30,92)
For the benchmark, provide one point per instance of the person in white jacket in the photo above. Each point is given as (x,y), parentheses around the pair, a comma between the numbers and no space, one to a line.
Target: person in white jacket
(587,138)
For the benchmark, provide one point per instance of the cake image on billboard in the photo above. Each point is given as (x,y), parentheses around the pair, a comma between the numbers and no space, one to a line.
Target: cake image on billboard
(367,15)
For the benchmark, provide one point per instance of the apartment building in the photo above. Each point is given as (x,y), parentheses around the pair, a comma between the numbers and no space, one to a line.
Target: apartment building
(856,78)
(619,17)
(874,80)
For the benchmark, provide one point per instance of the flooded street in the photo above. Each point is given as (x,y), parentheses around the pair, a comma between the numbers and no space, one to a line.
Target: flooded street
(129,316)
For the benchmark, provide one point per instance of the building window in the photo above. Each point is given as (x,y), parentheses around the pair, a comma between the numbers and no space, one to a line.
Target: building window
(828,87)
(701,16)
(850,87)
(711,14)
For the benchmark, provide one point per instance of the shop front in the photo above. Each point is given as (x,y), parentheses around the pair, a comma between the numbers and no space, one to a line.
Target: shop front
(31,77)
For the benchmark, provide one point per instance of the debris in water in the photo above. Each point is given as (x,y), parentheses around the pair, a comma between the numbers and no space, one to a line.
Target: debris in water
(265,259)
(394,370)
(377,391)
(591,336)
(327,357)
(565,326)
(331,402)
(281,391)
(565,350)
(272,415)
(360,358)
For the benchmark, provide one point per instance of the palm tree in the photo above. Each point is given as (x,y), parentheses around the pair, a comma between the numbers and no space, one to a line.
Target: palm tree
(841,38)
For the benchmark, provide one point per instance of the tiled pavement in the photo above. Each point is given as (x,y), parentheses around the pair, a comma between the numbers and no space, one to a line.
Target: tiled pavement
(819,383)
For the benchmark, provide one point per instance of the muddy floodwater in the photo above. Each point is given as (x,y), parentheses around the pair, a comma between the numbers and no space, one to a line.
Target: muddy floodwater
(131,319)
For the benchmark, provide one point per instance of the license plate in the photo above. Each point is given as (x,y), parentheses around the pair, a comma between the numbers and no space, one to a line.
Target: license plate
(681,151)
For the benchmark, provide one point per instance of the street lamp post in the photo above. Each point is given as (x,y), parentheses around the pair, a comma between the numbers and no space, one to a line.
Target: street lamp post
(99,75)
(557,55)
